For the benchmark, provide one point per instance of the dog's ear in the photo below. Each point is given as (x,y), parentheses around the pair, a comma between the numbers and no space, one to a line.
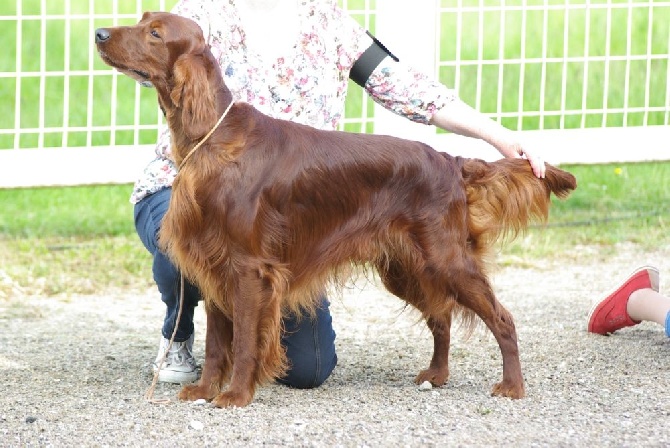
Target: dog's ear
(193,94)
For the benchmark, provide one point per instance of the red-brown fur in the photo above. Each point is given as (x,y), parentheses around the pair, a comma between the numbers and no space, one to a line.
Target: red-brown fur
(267,211)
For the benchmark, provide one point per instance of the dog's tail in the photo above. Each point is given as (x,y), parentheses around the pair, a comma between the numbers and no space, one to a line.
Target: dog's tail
(504,196)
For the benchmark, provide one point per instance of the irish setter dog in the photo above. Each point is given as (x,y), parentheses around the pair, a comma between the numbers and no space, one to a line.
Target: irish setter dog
(265,212)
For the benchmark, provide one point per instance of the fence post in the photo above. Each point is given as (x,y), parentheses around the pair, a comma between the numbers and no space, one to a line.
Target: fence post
(409,30)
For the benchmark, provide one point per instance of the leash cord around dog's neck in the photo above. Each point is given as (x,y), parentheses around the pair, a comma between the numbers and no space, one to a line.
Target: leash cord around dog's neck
(223,115)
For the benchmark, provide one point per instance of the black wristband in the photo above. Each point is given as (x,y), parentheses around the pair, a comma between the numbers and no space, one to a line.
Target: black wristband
(368,61)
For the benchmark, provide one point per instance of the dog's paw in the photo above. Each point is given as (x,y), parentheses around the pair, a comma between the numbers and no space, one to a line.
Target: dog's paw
(436,377)
(232,399)
(192,392)
(508,389)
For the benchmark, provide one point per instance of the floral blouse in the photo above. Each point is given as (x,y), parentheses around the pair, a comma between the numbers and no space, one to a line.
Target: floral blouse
(307,86)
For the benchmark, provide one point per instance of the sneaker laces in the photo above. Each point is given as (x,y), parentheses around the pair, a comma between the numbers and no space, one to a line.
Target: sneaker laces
(180,354)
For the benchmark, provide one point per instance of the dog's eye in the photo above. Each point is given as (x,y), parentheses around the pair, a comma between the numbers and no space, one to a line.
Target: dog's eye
(155,34)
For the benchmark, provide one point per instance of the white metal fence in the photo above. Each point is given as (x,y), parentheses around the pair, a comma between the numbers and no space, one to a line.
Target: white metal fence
(585,80)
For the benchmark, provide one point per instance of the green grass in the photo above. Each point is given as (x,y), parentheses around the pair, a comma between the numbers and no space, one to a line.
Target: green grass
(81,240)
(87,212)
(70,240)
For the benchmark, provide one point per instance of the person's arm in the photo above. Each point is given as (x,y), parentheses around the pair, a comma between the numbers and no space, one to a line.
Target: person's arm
(418,97)
(459,118)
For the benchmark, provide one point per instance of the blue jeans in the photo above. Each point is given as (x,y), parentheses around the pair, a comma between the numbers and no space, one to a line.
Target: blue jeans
(309,343)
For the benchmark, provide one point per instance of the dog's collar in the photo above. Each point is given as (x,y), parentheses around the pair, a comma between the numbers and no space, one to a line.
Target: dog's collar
(190,153)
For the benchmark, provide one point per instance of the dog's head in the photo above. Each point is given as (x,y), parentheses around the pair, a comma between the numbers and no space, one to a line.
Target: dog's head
(148,51)
(168,52)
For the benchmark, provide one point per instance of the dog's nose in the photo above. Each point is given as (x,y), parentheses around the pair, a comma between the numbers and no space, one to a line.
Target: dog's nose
(101,35)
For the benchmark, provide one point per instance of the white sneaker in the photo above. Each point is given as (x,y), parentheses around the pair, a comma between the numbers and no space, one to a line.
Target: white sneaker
(179,365)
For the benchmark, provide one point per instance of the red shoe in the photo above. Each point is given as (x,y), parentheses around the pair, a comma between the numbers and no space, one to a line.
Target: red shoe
(610,315)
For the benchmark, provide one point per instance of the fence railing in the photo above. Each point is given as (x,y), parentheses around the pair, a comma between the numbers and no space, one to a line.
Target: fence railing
(586,81)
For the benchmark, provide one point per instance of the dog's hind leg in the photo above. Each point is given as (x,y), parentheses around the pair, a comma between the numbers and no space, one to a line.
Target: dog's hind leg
(473,291)
(400,284)
(218,362)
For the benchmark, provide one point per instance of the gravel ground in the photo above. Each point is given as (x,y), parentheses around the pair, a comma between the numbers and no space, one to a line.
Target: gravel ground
(75,371)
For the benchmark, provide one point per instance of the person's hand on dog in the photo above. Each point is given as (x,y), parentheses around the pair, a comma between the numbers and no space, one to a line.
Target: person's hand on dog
(459,118)
(516,150)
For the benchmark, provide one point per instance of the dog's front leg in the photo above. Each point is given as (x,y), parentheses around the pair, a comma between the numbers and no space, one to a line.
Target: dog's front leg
(257,353)
(218,362)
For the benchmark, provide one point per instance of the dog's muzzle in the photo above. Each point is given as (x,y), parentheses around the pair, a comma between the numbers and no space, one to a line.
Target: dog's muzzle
(102,35)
